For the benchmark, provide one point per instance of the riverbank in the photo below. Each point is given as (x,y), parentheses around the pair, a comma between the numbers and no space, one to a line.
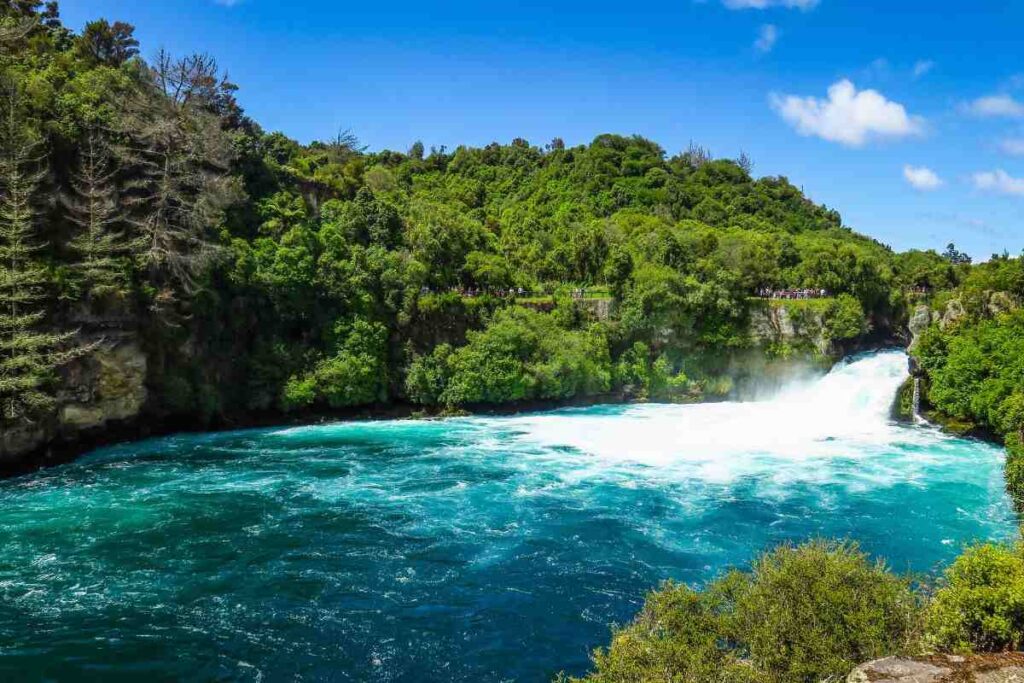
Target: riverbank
(756,373)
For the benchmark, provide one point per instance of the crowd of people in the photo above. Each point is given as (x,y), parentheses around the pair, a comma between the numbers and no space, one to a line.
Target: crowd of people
(473,292)
(791,294)
(500,292)
(579,293)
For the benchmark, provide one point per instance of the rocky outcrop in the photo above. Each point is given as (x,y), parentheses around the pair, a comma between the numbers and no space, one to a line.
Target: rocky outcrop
(601,309)
(775,323)
(108,384)
(990,668)
(105,386)
(1000,302)
(920,320)
(953,313)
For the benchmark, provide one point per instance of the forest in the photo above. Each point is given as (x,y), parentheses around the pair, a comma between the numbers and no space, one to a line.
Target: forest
(139,204)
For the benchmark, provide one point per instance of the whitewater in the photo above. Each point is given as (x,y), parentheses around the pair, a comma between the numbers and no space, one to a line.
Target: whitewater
(477,548)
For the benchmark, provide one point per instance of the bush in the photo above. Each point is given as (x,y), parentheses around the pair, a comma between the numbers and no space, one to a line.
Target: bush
(817,610)
(299,392)
(428,375)
(844,318)
(804,613)
(355,375)
(638,376)
(677,637)
(1014,468)
(981,607)
(521,355)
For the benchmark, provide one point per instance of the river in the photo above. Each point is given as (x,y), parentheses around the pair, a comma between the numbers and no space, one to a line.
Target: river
(470,549)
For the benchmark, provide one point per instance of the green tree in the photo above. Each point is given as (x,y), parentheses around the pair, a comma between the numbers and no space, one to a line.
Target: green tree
(106,43)
(980,608)
(94,206)
(29,355)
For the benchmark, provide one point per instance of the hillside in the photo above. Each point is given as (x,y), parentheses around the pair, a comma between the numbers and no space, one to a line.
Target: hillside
(165,257)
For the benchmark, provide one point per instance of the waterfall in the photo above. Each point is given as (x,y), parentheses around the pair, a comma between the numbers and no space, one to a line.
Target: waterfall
(846,410)
(917,400)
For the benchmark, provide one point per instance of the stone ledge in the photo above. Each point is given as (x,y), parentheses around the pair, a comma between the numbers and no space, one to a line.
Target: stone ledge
(1005,667)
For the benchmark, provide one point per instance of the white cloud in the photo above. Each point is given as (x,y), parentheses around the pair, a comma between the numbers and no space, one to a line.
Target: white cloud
(922,67)
(998,181)
(766,38)
(878,69)
(849,117)
(765,4)
(996,105)
(1012,146)
(922,178)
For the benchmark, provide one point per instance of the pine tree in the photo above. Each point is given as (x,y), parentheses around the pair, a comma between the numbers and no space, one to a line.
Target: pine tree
(28,355)
(178,159)
(94,207)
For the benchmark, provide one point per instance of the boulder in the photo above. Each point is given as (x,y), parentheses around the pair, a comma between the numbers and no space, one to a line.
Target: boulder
(919,322)
(1000,302)
(1007,667)
(108,385)
(953,313)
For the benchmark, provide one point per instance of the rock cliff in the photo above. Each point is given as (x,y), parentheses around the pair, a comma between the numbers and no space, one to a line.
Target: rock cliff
(105,386)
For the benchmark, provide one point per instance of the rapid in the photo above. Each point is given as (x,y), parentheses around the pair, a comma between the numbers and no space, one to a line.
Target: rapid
(479,548)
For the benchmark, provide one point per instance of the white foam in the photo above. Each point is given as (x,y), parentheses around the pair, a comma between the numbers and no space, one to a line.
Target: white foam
(845,413)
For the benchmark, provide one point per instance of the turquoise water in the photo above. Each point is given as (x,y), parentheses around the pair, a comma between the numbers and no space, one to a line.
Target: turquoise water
(468,549)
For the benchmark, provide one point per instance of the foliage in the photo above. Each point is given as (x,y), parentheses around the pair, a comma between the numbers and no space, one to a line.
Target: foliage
(94,207)
(976,374)
(255,261)
(29,356)
(355,375)
(677,636)
(818,610)
(521,355)
(981,606)
(844,318)
(801,613)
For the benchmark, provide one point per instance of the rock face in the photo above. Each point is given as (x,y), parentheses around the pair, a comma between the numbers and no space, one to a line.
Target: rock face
(919,321)
(953,313)
(774,324)
(106,385)
(992,668)
(601,309)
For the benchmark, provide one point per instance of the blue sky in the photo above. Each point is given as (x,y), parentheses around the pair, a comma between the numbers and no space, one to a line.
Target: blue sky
(907,116)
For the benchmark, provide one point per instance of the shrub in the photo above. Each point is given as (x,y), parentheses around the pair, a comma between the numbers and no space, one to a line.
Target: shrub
(844,318)
(981,606)
(804,613)
(521,355)
(817,610)
(677,637)
(299,392)
(428,375)
(1014,468)
(355,375)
